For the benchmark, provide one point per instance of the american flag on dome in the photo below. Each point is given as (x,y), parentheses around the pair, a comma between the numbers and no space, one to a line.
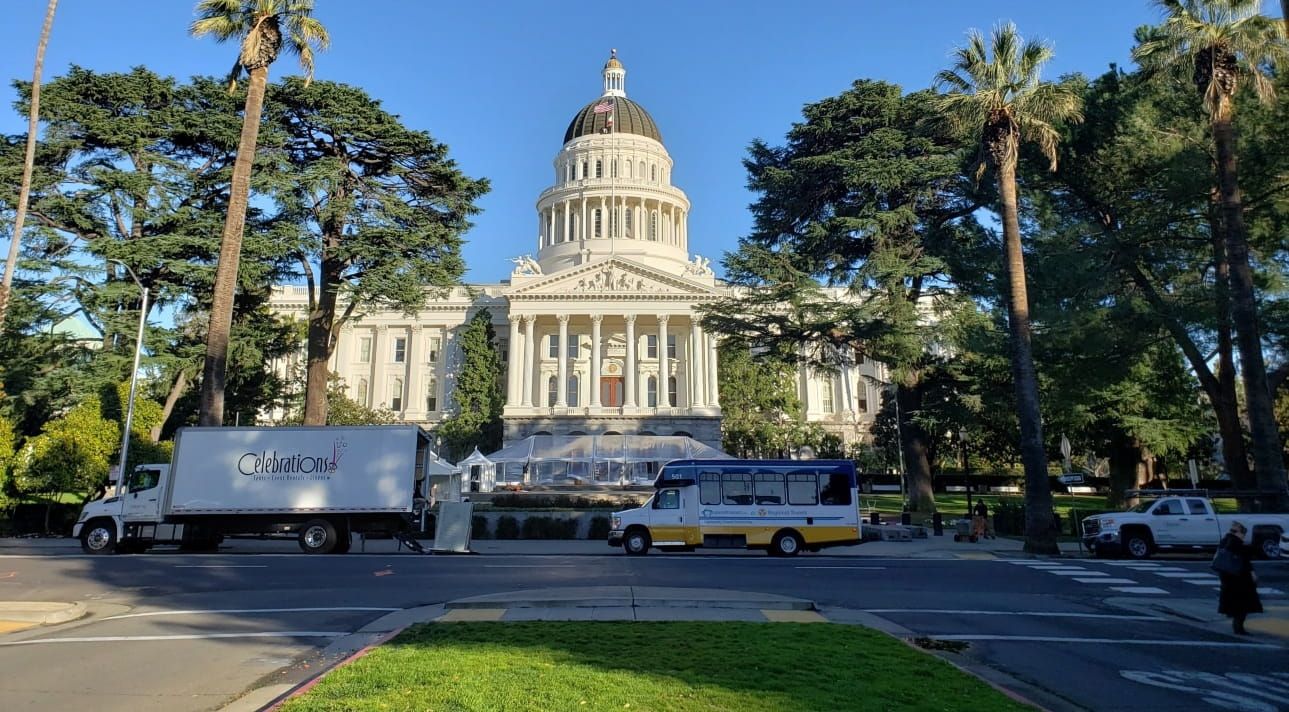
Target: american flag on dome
(603,107)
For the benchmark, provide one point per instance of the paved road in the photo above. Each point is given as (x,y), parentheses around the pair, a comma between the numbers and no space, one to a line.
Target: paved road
(200,629)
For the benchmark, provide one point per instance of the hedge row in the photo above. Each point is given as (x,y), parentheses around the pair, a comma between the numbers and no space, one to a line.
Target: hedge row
(536,527)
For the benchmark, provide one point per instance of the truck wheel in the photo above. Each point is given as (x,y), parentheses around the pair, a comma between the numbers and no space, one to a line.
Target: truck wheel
(636,542)
(786,543)
(318,536)
(99,537)
(1138,546)
(1269,548)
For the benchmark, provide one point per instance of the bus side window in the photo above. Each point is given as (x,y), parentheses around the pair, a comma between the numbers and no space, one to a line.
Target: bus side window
(835,489)
(803,488)
(769,488)
(709,487)
(737,487)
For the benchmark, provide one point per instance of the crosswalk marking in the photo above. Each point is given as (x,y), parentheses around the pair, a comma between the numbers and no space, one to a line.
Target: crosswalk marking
(1140,589)
(1105,580)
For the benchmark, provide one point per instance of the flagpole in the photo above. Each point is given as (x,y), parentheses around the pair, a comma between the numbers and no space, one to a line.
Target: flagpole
(613,175)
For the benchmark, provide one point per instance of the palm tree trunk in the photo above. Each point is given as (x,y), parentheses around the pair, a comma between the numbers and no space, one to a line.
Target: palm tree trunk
(1267,456)
(322,321)
(215,370)
(1040,532)
(28,164)
(1226,405)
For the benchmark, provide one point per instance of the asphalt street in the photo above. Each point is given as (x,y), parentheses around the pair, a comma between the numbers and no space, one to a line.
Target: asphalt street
(191,632)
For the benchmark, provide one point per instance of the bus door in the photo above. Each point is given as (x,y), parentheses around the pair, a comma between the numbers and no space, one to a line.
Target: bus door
(668,524)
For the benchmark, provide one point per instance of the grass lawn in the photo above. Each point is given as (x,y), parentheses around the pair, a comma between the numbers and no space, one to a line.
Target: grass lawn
(955,504)
(680,666)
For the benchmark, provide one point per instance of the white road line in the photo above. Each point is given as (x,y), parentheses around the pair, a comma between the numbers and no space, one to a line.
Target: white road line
(1187,575)
(1206,581)
(1270,592)
(851,568)
(1079,572)
(1105,641)
(198,636)
(1139,589)
(1035,614)
(251,610)
(1162,569)
(1131,564)
(1105,580)
(223,566)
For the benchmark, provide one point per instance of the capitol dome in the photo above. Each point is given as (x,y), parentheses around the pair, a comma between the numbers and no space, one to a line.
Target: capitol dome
(627,117)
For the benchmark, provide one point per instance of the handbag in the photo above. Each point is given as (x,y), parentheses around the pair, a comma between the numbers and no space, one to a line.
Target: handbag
(1226,561)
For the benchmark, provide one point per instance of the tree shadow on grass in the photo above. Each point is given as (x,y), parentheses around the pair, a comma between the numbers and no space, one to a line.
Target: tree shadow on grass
(647,666)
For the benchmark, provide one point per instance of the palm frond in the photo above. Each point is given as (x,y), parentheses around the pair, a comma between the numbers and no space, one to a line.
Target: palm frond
(222,19)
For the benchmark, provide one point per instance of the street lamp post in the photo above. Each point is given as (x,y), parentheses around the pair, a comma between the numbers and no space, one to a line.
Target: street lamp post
(966,467)
(134,376)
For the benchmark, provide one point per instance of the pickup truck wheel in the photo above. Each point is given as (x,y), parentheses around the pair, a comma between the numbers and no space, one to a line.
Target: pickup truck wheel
(99,537)
(1138,546)
(1269,548)
(636,542)
(318,536)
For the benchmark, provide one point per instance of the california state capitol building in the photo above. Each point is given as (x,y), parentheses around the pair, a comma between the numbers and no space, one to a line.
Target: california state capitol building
(598,332)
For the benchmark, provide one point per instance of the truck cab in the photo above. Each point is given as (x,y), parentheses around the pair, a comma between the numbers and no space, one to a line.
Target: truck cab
(137,500)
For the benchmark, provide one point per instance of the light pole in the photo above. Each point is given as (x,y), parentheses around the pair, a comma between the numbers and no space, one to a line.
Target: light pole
(966,468)
(134,376)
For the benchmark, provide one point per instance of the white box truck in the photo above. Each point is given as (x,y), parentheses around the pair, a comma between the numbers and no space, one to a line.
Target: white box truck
(322,484)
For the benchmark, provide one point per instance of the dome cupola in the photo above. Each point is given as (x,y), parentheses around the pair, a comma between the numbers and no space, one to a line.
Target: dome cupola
(613,112)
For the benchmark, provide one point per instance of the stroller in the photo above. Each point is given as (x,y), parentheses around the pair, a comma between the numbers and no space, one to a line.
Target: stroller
(964,531)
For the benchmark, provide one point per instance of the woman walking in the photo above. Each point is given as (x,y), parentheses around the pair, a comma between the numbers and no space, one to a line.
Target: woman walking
(1239,594)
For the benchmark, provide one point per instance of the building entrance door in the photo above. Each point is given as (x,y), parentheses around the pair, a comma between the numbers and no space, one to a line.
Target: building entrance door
(611,391)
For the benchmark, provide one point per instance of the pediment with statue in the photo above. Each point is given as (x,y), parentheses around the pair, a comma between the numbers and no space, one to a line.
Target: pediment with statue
(612,278)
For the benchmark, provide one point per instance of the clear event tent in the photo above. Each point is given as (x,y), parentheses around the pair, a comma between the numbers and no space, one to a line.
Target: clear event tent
(479,474)
(593,460)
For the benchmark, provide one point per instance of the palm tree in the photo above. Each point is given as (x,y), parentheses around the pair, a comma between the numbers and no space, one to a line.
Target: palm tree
(28,164)
(265,27)
(1215,44)
(1001,102)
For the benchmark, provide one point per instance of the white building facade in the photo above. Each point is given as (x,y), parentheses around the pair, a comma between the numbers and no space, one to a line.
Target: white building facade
(599,333)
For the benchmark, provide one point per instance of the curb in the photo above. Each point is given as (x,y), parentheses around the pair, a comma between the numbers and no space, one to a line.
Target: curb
(309,684)
(41,612)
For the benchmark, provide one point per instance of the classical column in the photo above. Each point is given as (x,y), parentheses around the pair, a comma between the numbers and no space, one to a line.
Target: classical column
(606,225)
(713,391)
(582,231)
(561,388)
(595,360)
(514,378)
(415,397)
(526,398)
(664,374)
(630,400)
(697,384)
(379,341)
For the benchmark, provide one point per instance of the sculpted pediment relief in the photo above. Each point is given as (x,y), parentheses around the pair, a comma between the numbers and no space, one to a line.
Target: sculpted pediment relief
(612,277)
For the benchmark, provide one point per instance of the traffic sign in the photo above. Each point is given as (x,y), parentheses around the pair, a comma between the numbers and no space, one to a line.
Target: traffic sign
(1073,479)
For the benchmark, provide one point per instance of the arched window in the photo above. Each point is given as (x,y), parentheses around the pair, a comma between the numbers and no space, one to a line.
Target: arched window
(651,392)
(613,168)
(629,164)
(671,391)
(827,396)
(642,169)
(627,222)
(653,225)
(599,222)
(396,394)
(552,390)
(362,391)
(583,170)
(572,390)
(432,396)
(599,168)
(653,173)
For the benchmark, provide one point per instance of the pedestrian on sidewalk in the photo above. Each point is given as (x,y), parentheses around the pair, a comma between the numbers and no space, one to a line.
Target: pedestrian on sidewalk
(980,520)
(1239,594)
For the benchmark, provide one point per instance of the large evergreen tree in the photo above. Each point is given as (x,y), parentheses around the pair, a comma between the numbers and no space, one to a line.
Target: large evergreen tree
(478,397)
(995,94)
(381,210)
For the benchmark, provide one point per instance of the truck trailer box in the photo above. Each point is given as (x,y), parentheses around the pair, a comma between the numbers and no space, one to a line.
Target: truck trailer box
(294,469)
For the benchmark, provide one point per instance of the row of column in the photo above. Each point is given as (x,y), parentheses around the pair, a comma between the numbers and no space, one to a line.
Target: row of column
(554,226)
(702,370)
(413,368)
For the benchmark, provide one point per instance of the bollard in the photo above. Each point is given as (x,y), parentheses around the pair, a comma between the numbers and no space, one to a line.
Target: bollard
(906,518)
(875,519)
(937,522)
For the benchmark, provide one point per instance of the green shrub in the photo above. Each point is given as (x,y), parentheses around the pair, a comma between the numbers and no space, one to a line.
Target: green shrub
(479,527)
(599,528)
(507,527)
(549,528)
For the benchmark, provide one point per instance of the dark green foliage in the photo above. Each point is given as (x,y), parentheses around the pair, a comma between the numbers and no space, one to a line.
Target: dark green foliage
(548,528)
(507,527)
(479,527)
(478,396)
(599,529)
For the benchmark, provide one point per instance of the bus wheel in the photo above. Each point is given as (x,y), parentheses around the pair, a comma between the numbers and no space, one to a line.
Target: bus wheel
(786,543)
(636,542)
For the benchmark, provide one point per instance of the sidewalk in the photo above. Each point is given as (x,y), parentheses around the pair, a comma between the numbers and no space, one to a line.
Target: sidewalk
(932,547)
(1202,612)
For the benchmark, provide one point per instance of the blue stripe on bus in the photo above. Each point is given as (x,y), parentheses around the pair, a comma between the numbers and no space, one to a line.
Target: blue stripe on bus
(768,519)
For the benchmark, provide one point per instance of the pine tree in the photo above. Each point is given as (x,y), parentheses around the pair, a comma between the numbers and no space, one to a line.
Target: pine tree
(478,394)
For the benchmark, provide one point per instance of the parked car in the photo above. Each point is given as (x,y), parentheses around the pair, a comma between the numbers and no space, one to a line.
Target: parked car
(1180,523)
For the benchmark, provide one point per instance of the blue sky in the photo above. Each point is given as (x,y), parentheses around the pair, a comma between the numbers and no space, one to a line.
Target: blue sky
(499,81)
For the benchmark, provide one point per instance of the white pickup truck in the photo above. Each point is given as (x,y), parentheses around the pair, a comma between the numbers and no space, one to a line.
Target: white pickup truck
(1183,523)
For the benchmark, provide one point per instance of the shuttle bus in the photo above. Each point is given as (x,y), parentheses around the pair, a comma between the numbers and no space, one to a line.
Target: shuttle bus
(782,506)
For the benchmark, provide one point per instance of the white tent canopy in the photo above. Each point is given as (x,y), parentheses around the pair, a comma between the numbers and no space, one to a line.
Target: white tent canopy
(444,478)
(478,472)
(598,460)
